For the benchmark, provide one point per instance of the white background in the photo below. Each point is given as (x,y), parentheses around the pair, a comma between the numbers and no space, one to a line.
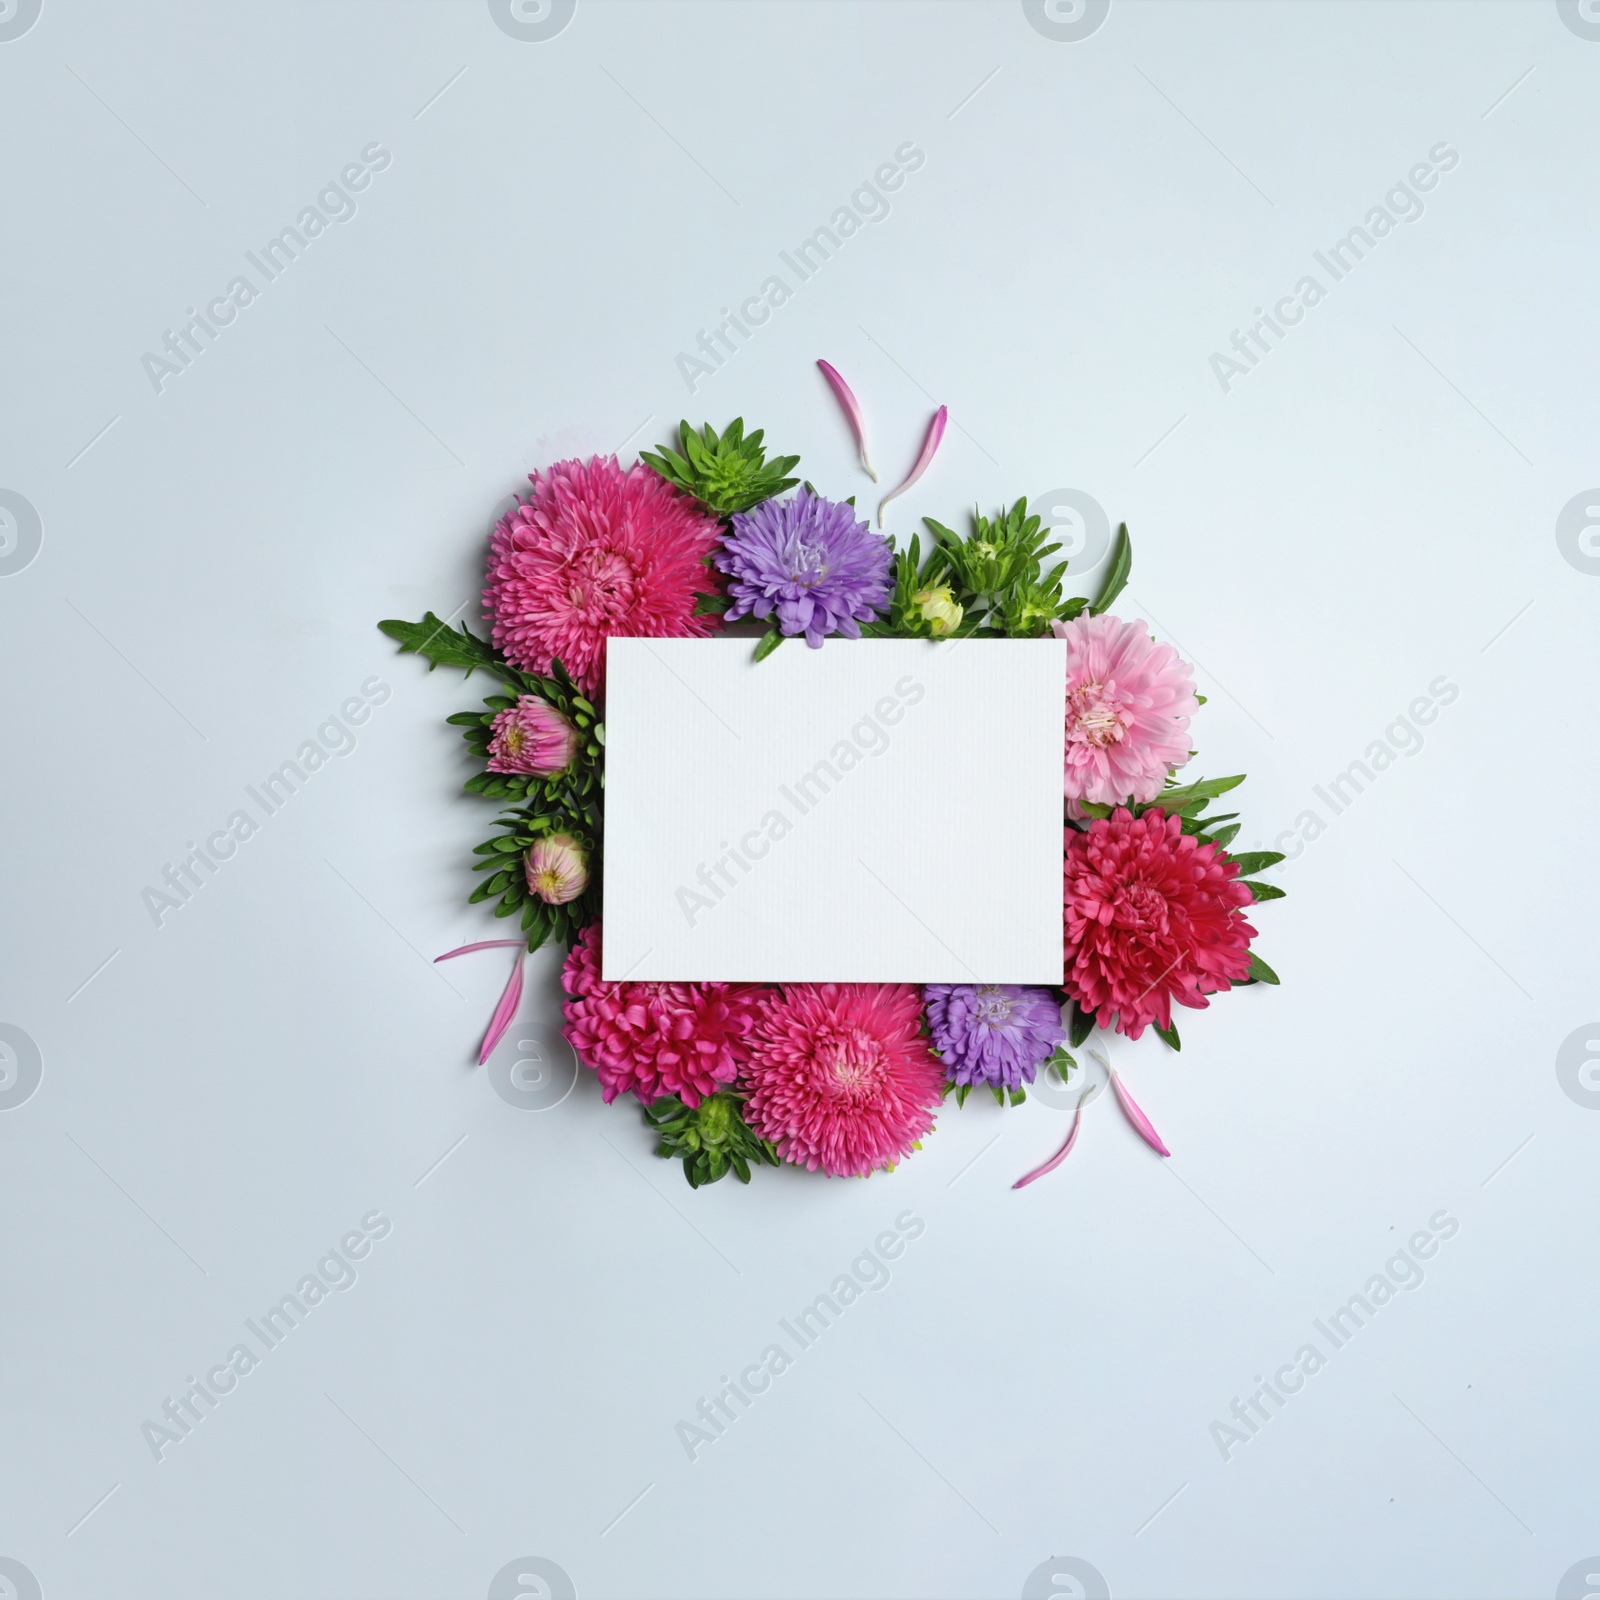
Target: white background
(849,878)
(1371,508)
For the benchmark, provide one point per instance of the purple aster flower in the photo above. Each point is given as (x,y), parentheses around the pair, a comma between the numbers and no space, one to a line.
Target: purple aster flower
(995,1034)
(809,559)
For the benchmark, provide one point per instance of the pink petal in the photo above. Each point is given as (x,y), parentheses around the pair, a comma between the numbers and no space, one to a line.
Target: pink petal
(1134,1115)
(483,944)
(507,1009)
(1061,1154)
(929,446)
(852,410)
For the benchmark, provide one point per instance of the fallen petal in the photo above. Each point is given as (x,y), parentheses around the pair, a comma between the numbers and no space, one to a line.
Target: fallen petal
(506,1010)
(1065,1150)
(483,944)
(1134,1115)
(929,446)
(852,409)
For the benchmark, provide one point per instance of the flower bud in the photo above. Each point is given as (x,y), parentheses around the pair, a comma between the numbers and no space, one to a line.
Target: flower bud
(937,607)
(532,739)
(558,869)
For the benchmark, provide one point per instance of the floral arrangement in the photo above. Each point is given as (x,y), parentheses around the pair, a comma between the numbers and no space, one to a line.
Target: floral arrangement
(846,1079)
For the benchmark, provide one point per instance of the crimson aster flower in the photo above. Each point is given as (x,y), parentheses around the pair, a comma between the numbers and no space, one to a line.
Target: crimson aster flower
(1152,917)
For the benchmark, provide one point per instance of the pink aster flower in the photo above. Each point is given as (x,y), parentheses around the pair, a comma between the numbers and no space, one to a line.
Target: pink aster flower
(558,869)
(1129,701)
(841,1075)
(596,551)
(532,739)
(687,1039)
(1151,917)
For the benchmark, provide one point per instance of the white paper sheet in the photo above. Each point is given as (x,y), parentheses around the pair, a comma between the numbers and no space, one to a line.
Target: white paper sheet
(874,811)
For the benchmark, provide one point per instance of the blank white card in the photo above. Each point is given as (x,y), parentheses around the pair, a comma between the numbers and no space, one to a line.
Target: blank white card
(876,811)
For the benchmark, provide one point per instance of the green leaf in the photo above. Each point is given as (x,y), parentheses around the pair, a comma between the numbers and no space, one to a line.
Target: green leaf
(1170,1035)
(727,474)
(1116,579)
(1258,860)
(770,641)
(466,719)
(1262,891)
(443,646)
(708,605)
(1260,972)
(1081,1025)
(1223,837)
(1205,789)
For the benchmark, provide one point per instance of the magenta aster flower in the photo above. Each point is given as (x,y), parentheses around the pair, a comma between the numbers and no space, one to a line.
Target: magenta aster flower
(596,551)
(532,739)
(811,560)
(686,1039)
(1129,701)
(558,869)
(994,1034)
(840,1075)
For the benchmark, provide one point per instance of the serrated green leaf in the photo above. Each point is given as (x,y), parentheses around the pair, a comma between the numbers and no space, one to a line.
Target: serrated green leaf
(443,646)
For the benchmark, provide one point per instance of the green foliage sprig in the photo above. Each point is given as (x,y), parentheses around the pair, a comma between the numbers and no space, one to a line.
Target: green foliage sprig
(725,474)
(711,1139)
(569,802)
(998,575)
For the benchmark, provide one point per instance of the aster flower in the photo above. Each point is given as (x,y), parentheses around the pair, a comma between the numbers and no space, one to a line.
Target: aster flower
(1129,701)
(558,869)
(1152,916)
(655,1039)
(812,561)
(596,551)
(840,1075)
(531,739)
(993,1034)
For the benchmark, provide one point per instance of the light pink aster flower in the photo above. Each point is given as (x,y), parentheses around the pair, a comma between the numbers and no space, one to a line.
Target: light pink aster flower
(532,739)
(1129,701)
